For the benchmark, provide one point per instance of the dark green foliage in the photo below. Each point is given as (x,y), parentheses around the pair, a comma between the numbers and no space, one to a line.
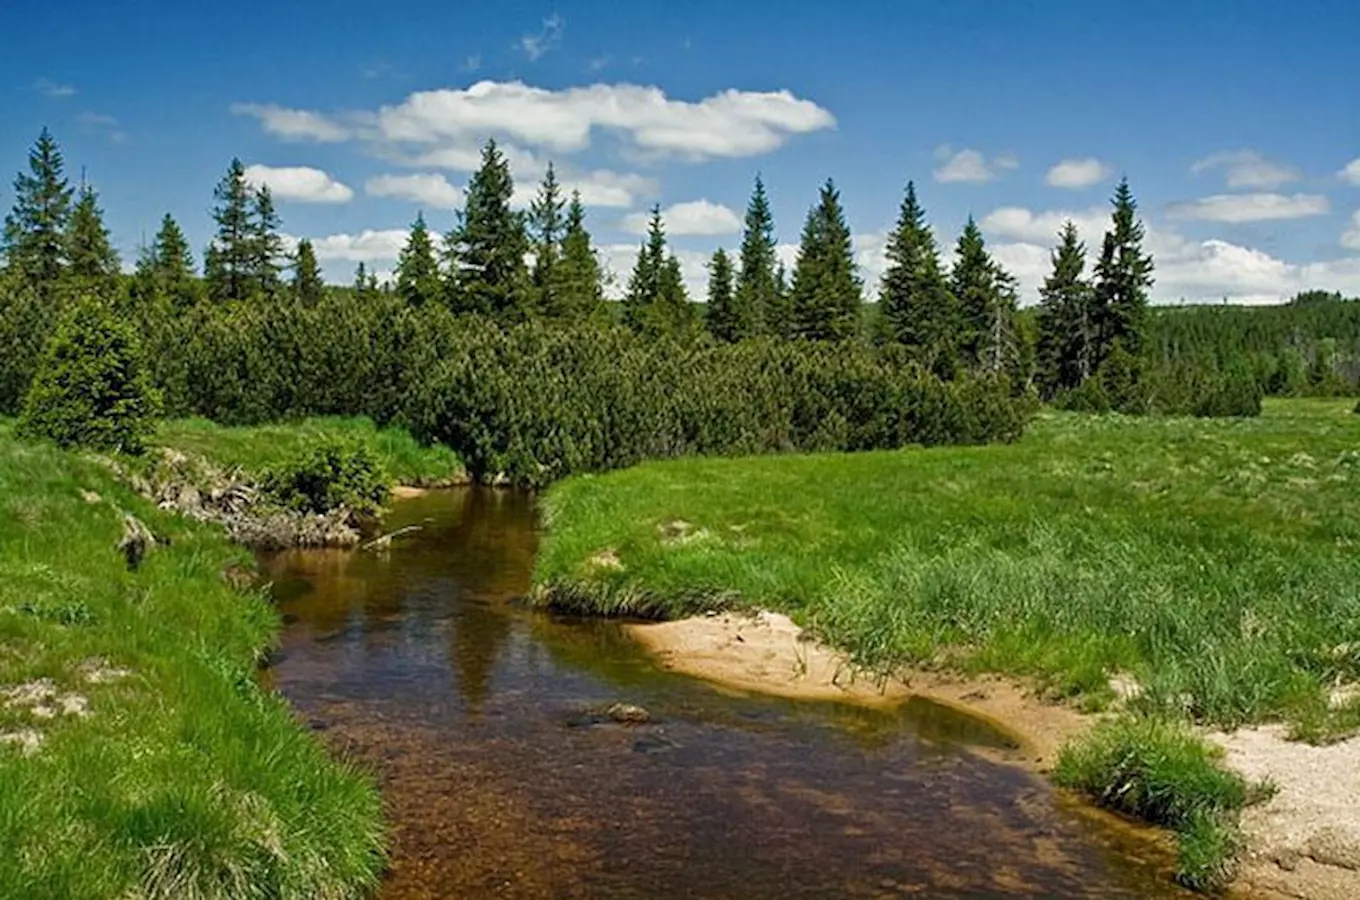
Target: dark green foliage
(547,227)
(1123,277)
(1066,334)
(35,242)
(578,293)
(308,285)
(539,403)
(418,281)
(827,293)
(92,265)
(90,389)
(25,322)
(227,262)
(486,248)
(921,311)
(987,301)
(328,474)
(724,320)
(1164,774)
(656,304)
(170,267)
(265,254)
(759,303)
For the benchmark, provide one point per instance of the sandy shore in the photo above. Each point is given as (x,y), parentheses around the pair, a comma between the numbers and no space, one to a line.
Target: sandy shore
(1304,843)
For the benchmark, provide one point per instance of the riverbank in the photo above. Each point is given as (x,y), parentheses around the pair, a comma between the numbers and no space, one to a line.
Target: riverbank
(1182,570)
(138,756)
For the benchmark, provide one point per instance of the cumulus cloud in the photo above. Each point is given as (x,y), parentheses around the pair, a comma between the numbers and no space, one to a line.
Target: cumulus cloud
(970,166)
(302,184)
(1246,169)
(1351,173)
(1350,238)
(295,124)
(1021,224)
(1077,173)
(1260,207)
(429,189)
(731,123)
(546,38)
(696,217)
(366,247)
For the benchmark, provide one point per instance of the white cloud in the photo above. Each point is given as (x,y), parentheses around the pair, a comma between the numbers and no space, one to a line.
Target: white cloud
(1020,224)
(300,183)
(52,89)
(1246,169)
(731,123)
(618,261)
(696,217)
(1351,173)
(545,39)
(1077,173)
(367,246)
(103,124)
(1262,207)
(295,124)
(1350,238)
(472,63)
(430,189)
(970,165)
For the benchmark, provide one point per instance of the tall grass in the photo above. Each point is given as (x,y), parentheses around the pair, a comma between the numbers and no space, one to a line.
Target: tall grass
(1211,560)
(1163,773)
(185,779)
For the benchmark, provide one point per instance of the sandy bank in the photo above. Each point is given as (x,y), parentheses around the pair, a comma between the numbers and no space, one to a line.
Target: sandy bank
(768,653)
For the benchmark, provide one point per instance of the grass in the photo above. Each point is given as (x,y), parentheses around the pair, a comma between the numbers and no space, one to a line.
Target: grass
(1213,561)
(185,779)
(256,448)
(1163,773)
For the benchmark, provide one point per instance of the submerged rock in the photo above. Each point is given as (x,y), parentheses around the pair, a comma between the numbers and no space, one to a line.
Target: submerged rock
(628,714)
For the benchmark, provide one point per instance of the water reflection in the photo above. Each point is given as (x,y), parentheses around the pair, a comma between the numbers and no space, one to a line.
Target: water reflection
(500,781)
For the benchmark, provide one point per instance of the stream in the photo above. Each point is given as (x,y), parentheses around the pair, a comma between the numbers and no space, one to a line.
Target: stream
(480,718)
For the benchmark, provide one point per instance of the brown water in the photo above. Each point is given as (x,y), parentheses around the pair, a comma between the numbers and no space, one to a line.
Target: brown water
(499,781)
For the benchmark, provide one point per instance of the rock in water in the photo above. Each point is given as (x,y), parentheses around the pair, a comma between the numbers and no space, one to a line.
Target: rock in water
(628,714)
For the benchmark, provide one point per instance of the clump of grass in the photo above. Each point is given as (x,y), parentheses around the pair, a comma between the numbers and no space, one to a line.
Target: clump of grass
(1163,773)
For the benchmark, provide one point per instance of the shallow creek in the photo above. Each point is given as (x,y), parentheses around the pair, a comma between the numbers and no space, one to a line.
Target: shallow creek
(479,717)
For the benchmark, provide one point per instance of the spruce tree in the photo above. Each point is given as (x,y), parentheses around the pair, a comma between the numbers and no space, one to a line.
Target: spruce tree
(546,225)
(757,304)
(308,286)
(227,262)
(34,241)
(672,314)
(915,299)
(172,265)
(488,245)
(92,264)
(1123,278)
(986,297)
(1066,341)
(644,284)
(827,294)
(418,281)
(724,321)
(578,289)
(265,245)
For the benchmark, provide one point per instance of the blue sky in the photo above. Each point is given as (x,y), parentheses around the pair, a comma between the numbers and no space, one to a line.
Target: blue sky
(1237,123)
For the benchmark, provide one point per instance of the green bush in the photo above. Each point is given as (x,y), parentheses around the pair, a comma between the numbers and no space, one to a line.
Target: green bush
(91,389)
(1164,774)
(327,475)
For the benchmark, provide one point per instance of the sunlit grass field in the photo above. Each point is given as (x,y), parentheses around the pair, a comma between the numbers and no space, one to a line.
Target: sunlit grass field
(1214,562)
